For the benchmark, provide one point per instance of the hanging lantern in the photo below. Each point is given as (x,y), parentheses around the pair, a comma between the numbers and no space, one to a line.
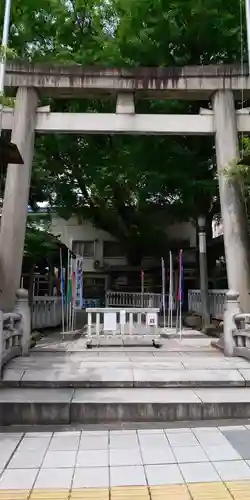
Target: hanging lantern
(9,153)
(244,161)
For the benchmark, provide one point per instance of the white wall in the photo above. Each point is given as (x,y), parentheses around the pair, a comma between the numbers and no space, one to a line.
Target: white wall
(70,230)
(183,231)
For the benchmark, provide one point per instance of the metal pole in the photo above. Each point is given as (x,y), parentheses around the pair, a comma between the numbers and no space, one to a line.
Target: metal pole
(247,4)
(203,272)
(4,46)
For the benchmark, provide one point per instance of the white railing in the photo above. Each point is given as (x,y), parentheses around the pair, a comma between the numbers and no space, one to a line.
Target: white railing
(135,299)
(46,312)
(216,300)
(121,323)
(15,330)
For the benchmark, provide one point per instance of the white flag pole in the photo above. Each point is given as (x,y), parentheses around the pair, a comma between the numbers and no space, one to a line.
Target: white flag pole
(4,45)
(163,291)
(171,287)
(169,292)
(142,288)
(62,291)
(181,277)
(67,292)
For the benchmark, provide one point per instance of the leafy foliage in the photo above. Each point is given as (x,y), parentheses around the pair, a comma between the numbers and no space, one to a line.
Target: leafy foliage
(130,186)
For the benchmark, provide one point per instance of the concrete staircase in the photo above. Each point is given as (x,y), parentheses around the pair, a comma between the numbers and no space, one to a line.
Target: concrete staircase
(184,380)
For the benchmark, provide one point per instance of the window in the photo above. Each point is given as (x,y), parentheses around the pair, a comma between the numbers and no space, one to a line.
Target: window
(83,248)
(112,249)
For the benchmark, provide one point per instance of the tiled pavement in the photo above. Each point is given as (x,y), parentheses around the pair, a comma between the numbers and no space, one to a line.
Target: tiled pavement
(179,463)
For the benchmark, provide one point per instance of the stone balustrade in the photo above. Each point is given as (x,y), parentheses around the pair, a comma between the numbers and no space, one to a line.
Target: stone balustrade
(235,339)
(15,330)
(136,299)
(46,312)
(216,301)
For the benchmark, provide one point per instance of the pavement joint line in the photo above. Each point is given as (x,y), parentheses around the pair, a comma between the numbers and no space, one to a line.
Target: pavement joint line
(13,496)
(14,451)
(240,490)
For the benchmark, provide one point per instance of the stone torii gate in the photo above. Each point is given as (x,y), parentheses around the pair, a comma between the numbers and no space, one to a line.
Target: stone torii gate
(220,84)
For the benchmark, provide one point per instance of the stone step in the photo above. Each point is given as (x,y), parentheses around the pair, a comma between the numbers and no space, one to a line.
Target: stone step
(65,406)
(113,376)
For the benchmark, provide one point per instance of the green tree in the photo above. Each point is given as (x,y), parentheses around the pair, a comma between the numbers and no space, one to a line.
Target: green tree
(130,184)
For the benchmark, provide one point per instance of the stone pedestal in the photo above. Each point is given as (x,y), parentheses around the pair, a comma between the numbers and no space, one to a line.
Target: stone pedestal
(15,206)
(23,308)
(231,199)
(232,307)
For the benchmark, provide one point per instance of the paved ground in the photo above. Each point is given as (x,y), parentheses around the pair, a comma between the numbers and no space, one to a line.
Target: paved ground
(201,463)
(190,362)
(171,341)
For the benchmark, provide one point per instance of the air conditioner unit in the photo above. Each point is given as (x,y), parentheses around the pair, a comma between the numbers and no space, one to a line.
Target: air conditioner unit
(101,264)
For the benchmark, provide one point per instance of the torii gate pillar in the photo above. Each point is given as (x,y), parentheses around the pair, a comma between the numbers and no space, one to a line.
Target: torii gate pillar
(231,197)
(16,196)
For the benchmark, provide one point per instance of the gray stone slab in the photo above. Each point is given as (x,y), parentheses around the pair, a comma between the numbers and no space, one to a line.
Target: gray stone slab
(201,472)
(64,443)
(157,455)
(209,437)
(94,442)
(243,449)
(12,375)
(35,396)
(134,404)
(27,459)
(5,456)
(188,454)
(182,439)
(240,440)
(227,395)
(92,458)
(91,477)
(30,406)
(54,478)
(236,470)
(90,376)
(125,457)
(163,474)
(123,441)
(59,459)
(158,364)
(187,378)
(237,435)
(204,362)
(246,375)
(34,444)
(127,476)
(18,479)
(11,436)
(151,441)
(218,453)
(34,434)
(135,395)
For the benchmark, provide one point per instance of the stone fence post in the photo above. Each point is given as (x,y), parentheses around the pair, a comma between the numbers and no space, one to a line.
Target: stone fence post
(232,307)
(22,307)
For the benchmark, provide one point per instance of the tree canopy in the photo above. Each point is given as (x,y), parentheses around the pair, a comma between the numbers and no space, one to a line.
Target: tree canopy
(130,186)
